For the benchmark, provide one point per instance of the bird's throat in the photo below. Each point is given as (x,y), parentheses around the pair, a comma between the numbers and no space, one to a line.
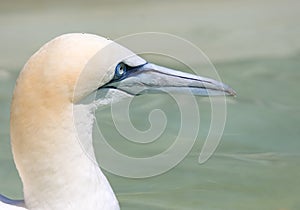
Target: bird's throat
(56,161)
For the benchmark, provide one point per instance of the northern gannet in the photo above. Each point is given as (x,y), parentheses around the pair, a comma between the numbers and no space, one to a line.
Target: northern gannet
(55,169)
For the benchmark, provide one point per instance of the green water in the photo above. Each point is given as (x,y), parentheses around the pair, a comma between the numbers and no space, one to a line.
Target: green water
(255,47)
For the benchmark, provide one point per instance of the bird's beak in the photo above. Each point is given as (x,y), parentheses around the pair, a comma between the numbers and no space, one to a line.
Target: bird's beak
(151,78)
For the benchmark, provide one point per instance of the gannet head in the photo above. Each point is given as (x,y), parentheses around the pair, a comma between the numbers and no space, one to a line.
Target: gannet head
(60,75)
(72,66)
(124,74)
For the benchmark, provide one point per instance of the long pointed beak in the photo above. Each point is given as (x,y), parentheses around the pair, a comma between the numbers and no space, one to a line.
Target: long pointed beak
(151,78)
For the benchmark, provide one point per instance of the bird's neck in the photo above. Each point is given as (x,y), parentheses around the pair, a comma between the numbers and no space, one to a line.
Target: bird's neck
(56,161)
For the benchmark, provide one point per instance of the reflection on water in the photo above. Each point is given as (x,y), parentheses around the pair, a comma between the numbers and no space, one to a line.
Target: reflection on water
(256,166)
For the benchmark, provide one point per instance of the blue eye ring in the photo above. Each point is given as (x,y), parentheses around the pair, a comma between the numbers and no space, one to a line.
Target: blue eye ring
(120,70)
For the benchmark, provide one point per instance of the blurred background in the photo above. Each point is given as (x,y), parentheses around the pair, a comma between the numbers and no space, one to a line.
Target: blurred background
(255,47)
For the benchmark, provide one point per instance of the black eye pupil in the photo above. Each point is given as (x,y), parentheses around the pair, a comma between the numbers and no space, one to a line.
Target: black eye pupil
(120,69)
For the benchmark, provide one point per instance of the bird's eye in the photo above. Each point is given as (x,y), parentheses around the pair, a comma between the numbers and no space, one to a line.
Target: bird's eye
(120,70)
